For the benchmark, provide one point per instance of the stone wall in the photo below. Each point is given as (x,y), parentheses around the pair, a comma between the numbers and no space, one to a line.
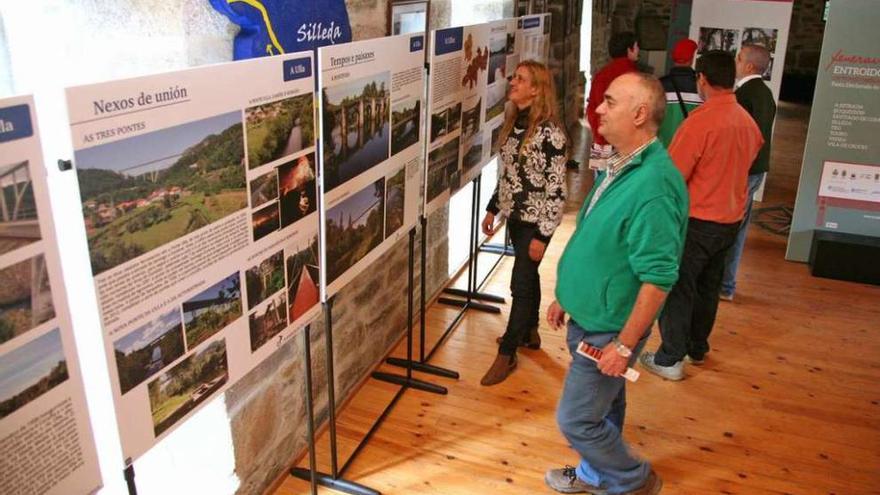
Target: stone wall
(805,37)
(601,32)
(565,50)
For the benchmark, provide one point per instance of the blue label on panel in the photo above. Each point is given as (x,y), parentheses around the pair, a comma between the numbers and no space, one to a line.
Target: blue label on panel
(416,43)
(531,22)
(15,123)
(297,68)
(448,40)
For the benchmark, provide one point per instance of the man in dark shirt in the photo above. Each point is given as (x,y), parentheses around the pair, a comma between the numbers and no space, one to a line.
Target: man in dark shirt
(753,95)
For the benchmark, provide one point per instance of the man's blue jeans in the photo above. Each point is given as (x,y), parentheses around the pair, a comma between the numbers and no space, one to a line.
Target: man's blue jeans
(731,264)
(591,414)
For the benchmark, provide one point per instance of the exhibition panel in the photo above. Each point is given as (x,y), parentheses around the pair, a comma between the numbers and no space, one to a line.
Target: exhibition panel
(470,69)
(371,150)
(45,436)
(838,202)
(199,198)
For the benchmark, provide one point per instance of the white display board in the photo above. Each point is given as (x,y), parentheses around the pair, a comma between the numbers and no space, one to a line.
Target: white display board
(199,198)
(534,38)
(46,443)
(371,150)
(467,94)
(728,24)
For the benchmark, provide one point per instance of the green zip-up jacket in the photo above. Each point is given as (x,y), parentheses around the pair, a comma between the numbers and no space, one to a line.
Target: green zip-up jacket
(633,235)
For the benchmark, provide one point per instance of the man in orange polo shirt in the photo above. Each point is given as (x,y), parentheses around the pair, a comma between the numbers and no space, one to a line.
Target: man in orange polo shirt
(713,149)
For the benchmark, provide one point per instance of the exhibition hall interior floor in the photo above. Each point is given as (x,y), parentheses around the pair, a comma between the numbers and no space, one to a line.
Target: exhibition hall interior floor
(788,400)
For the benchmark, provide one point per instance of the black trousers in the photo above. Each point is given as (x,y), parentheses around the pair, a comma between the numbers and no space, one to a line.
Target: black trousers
(525,288)
(689,314)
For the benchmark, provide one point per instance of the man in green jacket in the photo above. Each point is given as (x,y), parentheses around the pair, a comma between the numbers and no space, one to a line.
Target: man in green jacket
(612,280)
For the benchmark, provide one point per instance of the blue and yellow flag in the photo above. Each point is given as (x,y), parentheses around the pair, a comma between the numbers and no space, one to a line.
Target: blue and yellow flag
(270,27)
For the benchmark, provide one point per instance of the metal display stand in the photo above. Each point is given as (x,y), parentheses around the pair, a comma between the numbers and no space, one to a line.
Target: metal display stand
(128,473)
(471,294)
(334,480)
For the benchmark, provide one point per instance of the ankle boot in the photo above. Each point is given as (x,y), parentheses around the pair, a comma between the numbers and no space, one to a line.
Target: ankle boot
(533,341)
(500,369)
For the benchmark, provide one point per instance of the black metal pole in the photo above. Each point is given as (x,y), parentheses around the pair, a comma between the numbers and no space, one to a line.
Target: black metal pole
(408,380)
(470,294)
(424,290)
(409,303)
(310,411)
(476,226)
(332,481)
(331,384)
(421,364)
(473,239)
(129,479)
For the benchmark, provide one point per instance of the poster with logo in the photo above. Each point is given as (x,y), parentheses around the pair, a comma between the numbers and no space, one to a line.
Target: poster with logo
(470,68)
(839,188)
(199,198)
(371,150)
(534,37)
(45,436)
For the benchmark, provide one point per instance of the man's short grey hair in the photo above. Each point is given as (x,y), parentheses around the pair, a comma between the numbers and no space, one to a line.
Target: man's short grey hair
(652,95)
(757,55)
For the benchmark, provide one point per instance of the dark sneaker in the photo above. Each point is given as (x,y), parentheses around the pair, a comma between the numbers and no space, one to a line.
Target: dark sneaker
(565,480)
(500,370)
(674,372)
(652,485)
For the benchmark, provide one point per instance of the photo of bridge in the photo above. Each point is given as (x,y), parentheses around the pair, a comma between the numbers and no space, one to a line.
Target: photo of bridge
(356,135)
(19,225)
(25,297)
(145,191)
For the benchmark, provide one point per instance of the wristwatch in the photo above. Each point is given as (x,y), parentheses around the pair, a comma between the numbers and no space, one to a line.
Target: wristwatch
(621,348)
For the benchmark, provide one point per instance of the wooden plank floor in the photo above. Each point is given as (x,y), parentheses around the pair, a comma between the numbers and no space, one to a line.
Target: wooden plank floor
(788,401)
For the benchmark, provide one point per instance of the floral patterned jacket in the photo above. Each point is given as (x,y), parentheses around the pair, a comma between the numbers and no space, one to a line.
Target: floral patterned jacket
(531,185)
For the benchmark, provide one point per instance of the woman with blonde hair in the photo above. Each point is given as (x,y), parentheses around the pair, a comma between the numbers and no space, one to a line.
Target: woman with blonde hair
(530,194)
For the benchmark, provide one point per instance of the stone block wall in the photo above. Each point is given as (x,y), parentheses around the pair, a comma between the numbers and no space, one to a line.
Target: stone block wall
(805,37)
(565,59)
(601,32)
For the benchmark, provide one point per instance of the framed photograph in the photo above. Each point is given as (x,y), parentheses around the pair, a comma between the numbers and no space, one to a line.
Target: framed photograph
(408,16)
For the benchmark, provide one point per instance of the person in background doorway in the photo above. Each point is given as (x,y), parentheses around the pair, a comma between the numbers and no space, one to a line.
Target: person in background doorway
(680,85)
(624,51)
(753,95)
(713,149)
(612,280)
(531,195)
